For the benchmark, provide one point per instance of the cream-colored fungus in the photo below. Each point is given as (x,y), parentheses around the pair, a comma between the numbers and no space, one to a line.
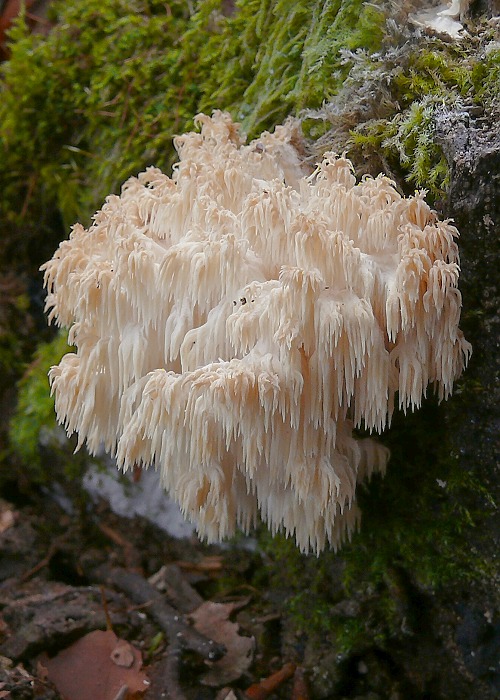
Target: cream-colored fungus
(235,322)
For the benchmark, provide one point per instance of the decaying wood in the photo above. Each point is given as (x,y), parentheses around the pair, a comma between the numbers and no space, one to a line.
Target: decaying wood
(178,591)
(46,616)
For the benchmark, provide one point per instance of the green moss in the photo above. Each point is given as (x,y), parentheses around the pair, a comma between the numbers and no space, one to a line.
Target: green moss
(270,59)
(89,104)
(386,113)
(486,79)
(35,406)
(407,140)
(102,95)
(421,518)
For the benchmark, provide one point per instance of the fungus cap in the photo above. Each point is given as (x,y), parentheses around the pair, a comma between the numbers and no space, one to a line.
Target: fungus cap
(234,323)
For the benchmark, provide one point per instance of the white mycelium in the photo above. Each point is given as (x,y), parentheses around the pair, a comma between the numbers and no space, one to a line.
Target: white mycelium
(233,324)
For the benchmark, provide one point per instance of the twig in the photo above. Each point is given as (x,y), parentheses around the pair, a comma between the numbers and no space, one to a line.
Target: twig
(164,675)
(262,690)
(109,625)
(132,557)
(122,694)
(29,192)
(168,618)
(53,548)
(178,590)
(206,565)
(300,690)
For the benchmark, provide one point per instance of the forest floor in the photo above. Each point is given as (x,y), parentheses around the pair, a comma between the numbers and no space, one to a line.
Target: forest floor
(97,607)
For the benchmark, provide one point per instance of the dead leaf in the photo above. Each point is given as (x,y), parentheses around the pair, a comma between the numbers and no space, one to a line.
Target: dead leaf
(99,665)
(212,620)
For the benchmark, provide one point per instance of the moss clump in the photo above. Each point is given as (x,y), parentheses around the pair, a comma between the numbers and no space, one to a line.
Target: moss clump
(87,105)
(101,96)
(35,406)
(271,59)
(486,79)
(386,114)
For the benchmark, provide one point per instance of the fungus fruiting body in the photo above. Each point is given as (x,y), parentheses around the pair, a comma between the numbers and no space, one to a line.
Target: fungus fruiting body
(234,323)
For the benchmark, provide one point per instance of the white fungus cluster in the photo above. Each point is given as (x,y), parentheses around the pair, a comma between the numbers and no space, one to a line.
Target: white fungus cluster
(235,322)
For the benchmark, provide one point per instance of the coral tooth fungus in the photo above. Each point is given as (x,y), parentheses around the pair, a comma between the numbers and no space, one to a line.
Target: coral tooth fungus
(234,323)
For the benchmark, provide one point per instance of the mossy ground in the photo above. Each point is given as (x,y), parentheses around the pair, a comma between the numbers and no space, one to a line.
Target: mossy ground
(35,406)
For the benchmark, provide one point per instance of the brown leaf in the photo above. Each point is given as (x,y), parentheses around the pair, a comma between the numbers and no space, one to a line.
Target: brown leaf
(211,619)
(99,665)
